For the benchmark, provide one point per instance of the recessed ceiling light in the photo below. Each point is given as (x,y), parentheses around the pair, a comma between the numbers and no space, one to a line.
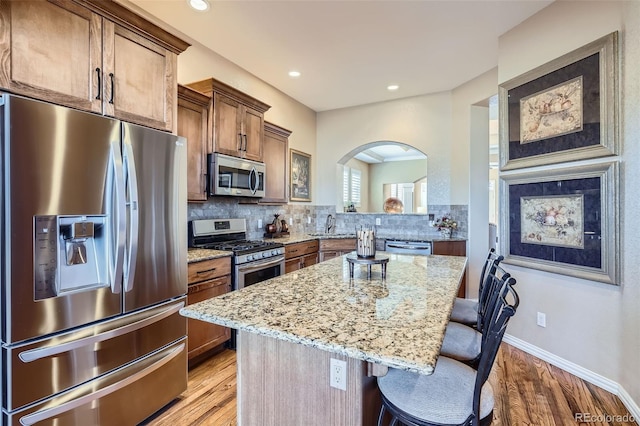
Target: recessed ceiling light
(294,73)
(199,5)
(393,87)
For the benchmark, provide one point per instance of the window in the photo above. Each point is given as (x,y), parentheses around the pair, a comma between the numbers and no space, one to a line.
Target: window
(351,186)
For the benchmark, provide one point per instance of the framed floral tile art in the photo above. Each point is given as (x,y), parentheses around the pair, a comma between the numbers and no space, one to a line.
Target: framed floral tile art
(563,220)
(564,110)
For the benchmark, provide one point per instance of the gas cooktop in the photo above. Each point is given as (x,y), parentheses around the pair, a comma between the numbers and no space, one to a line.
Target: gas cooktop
(243,246)
(230,235)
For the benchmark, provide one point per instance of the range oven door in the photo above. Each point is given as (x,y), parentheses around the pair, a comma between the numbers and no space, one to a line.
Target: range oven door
(254,272)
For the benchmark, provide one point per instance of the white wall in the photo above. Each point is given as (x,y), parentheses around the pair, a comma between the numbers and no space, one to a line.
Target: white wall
(470,171)
(422,121)
(590,324)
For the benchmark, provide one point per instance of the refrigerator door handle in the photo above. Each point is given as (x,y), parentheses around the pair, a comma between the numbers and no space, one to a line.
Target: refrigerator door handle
(48,351)
(116,209)
(47,413)
(132,204)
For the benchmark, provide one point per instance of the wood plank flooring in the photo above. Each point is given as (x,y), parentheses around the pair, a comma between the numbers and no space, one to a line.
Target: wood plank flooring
(528,392)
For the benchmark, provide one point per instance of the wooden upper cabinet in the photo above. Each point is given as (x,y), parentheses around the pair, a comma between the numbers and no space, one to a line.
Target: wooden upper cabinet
(51,52)
(227,125)
(193,113)
(140,78)
(275,148)
(253,134)
(237,120)
(93,55)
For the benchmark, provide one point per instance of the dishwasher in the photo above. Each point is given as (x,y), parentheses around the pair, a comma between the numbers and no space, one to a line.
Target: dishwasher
(408,247)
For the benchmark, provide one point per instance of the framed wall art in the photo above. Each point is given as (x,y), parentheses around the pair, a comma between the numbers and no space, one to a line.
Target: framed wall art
(564,110)
(300,178)
(563,220)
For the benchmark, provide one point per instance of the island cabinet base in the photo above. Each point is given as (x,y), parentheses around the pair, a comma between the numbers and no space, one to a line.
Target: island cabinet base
(283,383)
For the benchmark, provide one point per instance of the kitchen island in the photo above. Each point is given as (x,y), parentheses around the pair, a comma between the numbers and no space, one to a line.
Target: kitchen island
(290,328)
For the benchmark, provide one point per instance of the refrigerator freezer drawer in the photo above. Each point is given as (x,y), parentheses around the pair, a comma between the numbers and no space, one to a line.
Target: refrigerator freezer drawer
(42,369)
(123,397)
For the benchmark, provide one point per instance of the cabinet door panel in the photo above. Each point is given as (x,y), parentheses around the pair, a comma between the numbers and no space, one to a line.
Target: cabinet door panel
(292,265)
(253,133)
(310,259)
(34,36)
(274,155)
(203,336)
(143,86)
(326,255)
(192,124)
(227,121)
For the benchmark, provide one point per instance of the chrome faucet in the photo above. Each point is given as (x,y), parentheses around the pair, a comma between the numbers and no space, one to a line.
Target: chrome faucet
(329,224)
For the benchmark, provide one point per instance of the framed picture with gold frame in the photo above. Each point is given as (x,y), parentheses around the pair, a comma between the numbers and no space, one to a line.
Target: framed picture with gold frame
(300,176)
(564,110)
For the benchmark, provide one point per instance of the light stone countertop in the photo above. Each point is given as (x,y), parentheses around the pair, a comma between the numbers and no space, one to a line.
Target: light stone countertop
(298,238)
(198,255)
(398,322)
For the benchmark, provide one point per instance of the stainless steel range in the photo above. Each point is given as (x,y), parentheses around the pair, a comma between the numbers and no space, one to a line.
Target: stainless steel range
(253,260)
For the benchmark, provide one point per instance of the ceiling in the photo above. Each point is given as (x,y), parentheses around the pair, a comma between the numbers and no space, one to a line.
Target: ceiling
(389,152)
(348,52)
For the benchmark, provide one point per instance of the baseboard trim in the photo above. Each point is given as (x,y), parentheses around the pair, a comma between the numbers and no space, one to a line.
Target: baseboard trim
(578,371)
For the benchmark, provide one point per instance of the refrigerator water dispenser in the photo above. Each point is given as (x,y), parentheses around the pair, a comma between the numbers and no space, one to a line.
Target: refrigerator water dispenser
(71,254)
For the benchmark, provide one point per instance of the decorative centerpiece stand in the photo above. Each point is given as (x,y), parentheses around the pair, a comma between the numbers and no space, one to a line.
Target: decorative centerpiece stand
(378,259)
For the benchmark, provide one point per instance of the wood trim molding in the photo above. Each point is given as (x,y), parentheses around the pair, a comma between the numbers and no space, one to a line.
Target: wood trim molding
(210,85)
(192,95)
(276,130)
(134,22)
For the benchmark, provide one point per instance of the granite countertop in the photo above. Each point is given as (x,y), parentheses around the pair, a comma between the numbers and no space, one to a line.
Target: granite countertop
(398,322)
(298,238)
(198,255)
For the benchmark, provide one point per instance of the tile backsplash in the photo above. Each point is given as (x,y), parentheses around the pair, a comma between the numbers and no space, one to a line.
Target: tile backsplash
(310,218)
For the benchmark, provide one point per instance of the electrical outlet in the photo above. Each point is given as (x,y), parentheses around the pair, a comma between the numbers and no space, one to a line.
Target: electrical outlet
(338,374)
(309,220)
(542,319)
(378,221)
(290,221)
(259,223)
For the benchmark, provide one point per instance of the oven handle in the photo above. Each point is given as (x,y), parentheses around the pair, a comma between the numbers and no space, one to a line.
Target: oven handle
(254,266)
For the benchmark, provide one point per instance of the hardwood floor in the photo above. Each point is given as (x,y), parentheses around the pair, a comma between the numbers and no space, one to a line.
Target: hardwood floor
(528,392)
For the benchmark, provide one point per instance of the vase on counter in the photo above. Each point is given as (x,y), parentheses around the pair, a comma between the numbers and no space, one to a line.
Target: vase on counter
(365,241)
(445,233)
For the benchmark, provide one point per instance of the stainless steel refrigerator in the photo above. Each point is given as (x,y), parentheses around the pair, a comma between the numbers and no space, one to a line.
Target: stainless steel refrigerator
(93,267)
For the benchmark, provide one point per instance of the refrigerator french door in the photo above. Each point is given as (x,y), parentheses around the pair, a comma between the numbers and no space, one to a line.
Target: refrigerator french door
(93,266)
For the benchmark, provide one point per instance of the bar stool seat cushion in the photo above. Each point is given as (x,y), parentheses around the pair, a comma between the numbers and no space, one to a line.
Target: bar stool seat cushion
(465,311)
(461,342)
(444,397)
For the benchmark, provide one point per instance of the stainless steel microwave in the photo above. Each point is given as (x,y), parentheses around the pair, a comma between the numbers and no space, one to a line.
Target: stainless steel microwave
(235,176)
